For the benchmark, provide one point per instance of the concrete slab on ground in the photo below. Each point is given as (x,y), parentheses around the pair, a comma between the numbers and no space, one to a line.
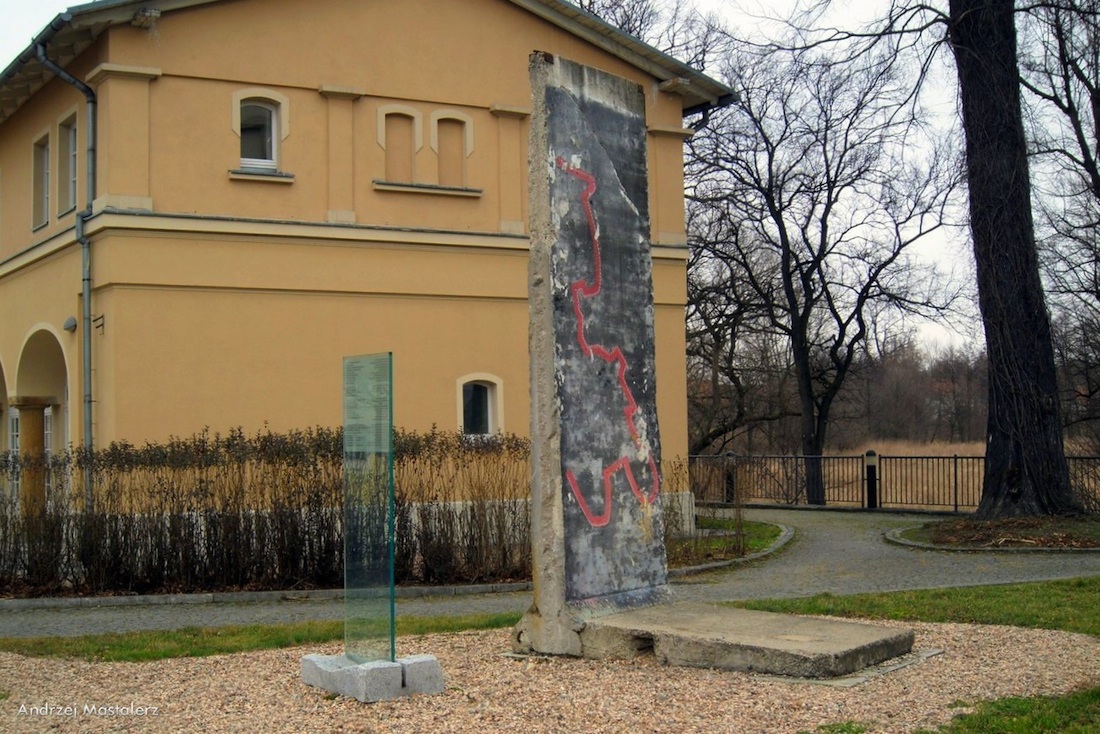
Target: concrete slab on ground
(711,636)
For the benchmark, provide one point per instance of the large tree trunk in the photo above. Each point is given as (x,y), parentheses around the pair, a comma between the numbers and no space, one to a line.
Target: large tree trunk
(813,430)
(811,459)
(1025,467)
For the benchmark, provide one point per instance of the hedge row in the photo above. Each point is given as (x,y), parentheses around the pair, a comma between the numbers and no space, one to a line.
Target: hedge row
(259,511)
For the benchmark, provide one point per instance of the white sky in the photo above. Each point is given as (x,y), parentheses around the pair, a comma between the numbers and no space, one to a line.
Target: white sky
(21,20)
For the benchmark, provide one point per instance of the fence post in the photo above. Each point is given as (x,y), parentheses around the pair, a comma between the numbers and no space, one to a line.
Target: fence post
(870,463)
(731,478)
(956,482)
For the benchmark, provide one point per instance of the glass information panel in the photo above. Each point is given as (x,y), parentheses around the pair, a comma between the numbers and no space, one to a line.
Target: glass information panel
(368,508)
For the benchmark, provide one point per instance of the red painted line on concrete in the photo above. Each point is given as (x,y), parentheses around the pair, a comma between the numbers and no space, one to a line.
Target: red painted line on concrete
(581,289)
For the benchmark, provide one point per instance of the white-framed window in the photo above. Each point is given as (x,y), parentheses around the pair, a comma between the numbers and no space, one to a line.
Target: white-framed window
(47,429)
(13,428)
(480,404)
(259,131)
(47,443)
(66,161)
(261,119)
(40,185)
(13,444)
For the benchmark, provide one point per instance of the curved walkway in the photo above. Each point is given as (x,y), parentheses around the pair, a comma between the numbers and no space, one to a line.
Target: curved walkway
(832,551)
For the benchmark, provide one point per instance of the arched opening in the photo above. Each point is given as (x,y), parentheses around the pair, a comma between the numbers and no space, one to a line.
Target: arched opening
(38,414)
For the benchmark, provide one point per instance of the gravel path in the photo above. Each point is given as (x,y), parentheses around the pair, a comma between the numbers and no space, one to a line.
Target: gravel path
(486,692)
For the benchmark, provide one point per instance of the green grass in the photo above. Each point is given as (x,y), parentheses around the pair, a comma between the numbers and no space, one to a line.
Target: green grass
(758,535)
(702,549)
(847,727)
(1077,713)
(202,642)
(1072,605)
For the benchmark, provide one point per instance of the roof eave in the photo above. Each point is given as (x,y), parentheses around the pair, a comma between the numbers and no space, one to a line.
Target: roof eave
(699,91)
(80,25)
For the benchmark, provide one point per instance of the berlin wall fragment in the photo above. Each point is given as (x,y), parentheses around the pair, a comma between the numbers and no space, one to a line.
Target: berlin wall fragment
(597,528)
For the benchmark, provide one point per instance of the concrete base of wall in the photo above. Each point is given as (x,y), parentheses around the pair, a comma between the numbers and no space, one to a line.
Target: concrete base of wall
(378,680)
(708,636)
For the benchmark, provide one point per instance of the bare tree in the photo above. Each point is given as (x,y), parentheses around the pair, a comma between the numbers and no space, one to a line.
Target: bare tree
(810,170)
(738,370)
(1025,468)
(958,393)
(1060,64)
(639,18)
(675,27)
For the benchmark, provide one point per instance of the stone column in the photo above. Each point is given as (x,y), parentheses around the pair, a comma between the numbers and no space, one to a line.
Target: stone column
(32,443)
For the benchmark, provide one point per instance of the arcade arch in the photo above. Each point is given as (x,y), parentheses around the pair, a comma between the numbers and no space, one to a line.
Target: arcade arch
(38,410)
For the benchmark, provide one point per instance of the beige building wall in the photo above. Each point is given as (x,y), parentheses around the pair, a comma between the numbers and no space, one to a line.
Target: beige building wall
(227,299)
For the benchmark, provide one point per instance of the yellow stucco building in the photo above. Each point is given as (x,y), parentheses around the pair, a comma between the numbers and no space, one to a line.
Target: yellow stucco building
(270,185)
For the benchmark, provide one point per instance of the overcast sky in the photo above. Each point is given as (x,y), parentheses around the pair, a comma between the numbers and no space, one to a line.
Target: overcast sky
(21,20)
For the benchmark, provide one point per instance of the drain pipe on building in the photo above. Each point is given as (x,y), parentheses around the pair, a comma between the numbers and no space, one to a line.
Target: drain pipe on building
(86,260)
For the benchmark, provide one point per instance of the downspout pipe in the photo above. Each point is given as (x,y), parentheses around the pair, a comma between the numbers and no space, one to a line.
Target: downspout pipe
(86,259)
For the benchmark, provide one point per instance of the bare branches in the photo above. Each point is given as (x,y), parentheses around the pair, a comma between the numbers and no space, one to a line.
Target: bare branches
(813,176)
(672,26)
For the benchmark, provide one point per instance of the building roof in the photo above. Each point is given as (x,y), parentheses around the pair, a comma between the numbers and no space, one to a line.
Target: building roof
(74,30)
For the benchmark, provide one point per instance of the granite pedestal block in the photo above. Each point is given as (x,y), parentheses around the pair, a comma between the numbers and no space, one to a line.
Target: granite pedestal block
(378,680)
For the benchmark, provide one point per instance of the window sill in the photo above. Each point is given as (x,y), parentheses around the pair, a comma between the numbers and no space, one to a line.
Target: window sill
(265,176)
(420,188)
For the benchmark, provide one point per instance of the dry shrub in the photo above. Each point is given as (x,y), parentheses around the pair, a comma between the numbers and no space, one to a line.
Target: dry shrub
(213,512)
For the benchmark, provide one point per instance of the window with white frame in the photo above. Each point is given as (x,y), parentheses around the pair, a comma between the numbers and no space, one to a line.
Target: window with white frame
(47,443)
(13,429)
(66,161)
(40,184)
(13,444)
(261,119)
(259,135)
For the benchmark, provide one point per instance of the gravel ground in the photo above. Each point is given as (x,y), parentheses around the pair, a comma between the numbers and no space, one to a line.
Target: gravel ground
(487,692)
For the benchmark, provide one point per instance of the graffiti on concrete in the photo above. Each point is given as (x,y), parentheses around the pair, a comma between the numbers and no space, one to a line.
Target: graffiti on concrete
(581,290)
(601,284)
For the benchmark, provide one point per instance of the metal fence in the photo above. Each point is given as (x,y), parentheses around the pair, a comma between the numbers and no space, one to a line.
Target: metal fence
(937,483)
